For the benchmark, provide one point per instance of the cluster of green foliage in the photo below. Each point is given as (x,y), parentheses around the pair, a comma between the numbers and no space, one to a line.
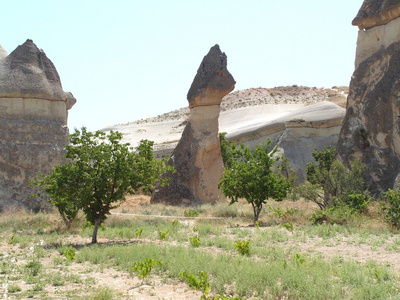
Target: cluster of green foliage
(252,175)
(199,283)
(391,207)
(191,213)
(99,172)
(242,246)
(143,268)
(330,183)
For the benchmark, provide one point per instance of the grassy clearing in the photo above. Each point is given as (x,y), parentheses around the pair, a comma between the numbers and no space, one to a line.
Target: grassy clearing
(39,259)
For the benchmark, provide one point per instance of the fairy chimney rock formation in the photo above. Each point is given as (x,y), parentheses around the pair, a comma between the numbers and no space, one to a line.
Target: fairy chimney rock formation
(33,122)
(371,127)
(197,157)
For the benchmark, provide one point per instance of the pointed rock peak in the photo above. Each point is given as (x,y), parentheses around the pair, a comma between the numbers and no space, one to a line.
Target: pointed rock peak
(29,73)
(212,75)
(3,53)
(375,13)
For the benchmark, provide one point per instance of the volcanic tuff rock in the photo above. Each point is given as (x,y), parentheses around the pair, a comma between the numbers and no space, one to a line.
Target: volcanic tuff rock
(375,13)
(33,122)
(197,157)
(371,129)
(296,118)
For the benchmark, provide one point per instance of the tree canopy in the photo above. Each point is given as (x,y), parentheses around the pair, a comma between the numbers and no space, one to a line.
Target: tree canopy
(252,175)
(99,172)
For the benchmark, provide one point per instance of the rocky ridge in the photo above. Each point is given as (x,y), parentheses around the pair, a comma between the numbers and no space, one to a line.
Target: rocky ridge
(260,96)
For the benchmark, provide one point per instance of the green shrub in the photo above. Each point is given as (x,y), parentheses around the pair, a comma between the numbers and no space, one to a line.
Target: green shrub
(143,268)
(68,252)
(242,246)
(138,232)
(33,267)
(163,234)
(195,241)
(358,201)
(391,207)
(13,288)
(190,213)
(200,283)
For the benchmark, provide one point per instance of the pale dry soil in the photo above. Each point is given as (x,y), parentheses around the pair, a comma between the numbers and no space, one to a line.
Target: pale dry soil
(93,277)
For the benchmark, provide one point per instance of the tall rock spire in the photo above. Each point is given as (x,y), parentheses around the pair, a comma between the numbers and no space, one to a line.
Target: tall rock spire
(197,157)
(371,127)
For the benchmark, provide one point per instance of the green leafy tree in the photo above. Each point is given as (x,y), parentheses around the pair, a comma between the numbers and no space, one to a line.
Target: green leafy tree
(253,176)
(329,182)
(99,172)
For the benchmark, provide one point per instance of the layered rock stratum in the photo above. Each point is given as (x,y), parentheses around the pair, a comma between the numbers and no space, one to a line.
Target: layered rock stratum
(33,122)
(296,118)
(197,156)
(371,130)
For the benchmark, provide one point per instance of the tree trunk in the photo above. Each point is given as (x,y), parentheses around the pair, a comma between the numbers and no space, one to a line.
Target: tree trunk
(257,211)
(96,228)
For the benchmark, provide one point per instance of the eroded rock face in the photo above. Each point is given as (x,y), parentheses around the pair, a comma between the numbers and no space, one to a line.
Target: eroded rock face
(33,122)
(197,157)
(371,129)
(376,12)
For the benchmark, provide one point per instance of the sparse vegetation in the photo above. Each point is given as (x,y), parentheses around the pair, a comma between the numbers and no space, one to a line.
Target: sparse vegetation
(282,258)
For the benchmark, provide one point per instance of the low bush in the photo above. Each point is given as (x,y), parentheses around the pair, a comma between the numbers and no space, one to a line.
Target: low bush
(391,207)
(242,246)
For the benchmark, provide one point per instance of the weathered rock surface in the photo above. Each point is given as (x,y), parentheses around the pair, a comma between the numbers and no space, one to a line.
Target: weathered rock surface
(197,157)
(376,13)
(33,122)
(253,116)
(371,129)
(371,41)
(297,133)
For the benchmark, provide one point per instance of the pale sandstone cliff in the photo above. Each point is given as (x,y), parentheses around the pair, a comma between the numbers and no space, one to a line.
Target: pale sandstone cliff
(33,122)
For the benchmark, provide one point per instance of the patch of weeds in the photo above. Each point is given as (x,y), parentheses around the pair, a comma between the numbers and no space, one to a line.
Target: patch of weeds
(90,280)
(163,235)
(195,241)
(33,267)
(199,283)
(227,211)
(207,228)
(143,268)
(68,252)
(242,247)
(73,278)
(57,280)
(105,293)
(299,259)
(289,226)
(191,213)
(138,232)
(13,288)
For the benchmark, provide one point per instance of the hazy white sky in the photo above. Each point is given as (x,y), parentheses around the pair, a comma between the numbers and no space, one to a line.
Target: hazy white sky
(128,59)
